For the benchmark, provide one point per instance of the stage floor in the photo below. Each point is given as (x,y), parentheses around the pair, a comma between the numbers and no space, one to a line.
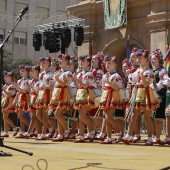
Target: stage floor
(70,156)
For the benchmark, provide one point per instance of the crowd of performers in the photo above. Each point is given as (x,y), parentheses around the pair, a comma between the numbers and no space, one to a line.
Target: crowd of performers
(96,95)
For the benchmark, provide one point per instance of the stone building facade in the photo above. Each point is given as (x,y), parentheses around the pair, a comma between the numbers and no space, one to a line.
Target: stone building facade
(40,12)
(147,24)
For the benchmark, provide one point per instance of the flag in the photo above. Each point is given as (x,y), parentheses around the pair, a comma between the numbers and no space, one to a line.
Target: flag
(167,61)
(128,48)
(115,14)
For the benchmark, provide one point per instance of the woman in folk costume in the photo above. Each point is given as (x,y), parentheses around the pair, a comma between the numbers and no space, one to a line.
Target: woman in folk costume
(160,73)
(22,97)
(126,67)
(85,99)
(8,92)
(73,90)
(53,131)
(34,126)
(132,78)
(60,99)
(98,72)
(55,65)
(166,82)
(120,113)
(144,99)
(44,95)
(111,97)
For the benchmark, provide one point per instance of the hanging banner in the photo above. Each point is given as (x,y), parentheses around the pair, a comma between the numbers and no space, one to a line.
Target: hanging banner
(115,13)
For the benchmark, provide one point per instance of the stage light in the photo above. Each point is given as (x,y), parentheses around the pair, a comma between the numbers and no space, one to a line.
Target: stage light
(63,48)
(45,41)
(78,35)
(66,36)
(51,41)
(37,41)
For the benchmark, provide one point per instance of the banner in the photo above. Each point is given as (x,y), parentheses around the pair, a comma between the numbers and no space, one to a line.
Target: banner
(115,13)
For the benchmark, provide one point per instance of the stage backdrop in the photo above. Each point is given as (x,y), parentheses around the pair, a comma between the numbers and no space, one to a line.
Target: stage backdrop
(115,13)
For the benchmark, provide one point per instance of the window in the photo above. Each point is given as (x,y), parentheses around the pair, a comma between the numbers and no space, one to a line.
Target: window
(22,41)
(2,5)
(1,37)
(1,34)
(16,40)
(20,38)
(42,12)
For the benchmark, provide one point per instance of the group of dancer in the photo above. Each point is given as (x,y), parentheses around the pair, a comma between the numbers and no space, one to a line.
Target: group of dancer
(93,94)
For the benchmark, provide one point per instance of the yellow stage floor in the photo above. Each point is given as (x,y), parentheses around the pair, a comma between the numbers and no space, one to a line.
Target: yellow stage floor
(70,156)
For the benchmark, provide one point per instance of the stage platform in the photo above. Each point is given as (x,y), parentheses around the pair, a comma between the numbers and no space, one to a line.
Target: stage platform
(91,156)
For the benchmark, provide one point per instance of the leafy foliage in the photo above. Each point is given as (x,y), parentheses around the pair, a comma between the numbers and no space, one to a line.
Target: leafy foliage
(12,64)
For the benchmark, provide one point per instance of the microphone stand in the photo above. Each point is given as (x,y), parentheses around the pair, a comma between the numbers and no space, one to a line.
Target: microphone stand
(19,18)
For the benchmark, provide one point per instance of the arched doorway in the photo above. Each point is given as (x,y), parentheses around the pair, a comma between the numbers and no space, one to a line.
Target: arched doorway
(118,48)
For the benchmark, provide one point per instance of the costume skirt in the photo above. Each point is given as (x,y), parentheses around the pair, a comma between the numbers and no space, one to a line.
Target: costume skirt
(144,98)
(110,99)
(60,100)
(31,105)
(84,98)
(22,102)
(5,102)
(43,98)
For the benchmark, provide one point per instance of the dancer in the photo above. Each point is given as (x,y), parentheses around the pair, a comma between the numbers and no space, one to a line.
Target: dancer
(160,72)
(34,84)
(61,97)
(44,95)
(85,99)
(7,99)
(111,97)
(22,97)
(144,99)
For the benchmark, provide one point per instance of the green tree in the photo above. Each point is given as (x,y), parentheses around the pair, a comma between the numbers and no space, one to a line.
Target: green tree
(20,61)
(12,64)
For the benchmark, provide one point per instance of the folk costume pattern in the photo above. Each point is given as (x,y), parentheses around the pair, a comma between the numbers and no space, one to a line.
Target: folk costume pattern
(132,79)
(44,95)
(98,74)
(85,96)
(111,98)
(34,83)
(23,98)
(146,98)
(61,95)
(9,88)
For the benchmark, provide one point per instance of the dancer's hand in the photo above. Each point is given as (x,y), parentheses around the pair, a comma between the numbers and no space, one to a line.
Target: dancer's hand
(15,85)
(3,88)
(107,77)
(75,76)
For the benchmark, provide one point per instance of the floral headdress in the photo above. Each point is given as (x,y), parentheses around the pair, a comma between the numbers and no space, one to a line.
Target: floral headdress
(36,67)
(45,58)
(83,57)
(10,74)
(25,67)
(74,60)
(158,54)
(5,73)
(127,62)
(107,57)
